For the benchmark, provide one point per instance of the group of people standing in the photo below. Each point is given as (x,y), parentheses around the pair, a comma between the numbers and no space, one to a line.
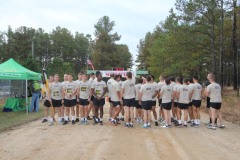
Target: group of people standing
(131,102)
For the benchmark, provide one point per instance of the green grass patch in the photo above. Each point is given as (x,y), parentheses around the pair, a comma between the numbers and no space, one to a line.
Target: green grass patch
(12,119)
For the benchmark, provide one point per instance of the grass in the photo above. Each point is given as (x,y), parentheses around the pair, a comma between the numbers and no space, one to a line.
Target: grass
(12,119)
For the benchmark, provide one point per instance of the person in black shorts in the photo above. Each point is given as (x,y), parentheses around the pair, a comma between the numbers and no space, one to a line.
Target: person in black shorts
(138,107)
(99,88)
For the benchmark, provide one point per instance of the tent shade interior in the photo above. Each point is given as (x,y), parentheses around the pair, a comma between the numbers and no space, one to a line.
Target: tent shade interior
(11,70)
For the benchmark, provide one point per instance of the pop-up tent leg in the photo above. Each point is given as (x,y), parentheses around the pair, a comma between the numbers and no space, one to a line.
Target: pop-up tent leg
(26,96)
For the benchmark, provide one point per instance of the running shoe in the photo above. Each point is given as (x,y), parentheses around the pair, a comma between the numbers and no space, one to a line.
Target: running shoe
(165,126)
(131,125)
(185,125)
(85,122)
(144,126)
(73,122)
(65,122)
(221,126)
(60,122)
(156,123)
(100,122)
(172,120)
(44,120)
(211,127)
(77,120)
(126,125)
(215,125)
(62,119)
(122,119)
(50,124)
(193,124)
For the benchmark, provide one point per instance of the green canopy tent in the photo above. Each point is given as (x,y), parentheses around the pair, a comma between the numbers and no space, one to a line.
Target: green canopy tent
(11,70)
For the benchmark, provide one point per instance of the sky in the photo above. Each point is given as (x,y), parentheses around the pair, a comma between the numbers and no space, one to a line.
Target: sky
(133,18)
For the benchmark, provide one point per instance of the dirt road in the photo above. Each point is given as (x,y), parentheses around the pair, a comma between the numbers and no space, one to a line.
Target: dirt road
(79,142)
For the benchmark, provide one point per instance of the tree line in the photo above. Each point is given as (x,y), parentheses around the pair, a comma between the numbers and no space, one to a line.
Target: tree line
(197,37)
(61,51)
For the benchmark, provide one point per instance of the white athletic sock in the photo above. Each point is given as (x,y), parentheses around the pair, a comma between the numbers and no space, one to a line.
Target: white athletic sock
(179,122)
(195,121)
(66,118)
(131,123)
(100,119)
(185,122)
(51,119)
(82,119)
(198,121)
(73,117)
(148,123)
(59,119)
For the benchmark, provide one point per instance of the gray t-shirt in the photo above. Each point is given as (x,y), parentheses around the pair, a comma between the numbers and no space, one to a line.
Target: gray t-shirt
(70,88)
(98,87)
(184,92)
(137,90)
(197,92)
(109,86)
(147,91)
(160,85)
(56,90)
(129,89)
(154,89)
(214,90)
(115,89)
(175,88)
(84,89)
(166,93)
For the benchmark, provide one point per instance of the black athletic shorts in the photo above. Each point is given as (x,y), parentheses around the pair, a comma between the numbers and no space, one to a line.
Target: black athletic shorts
(160,102)
(175,104)
(154,103)
(147,105)
(83,102)
(190,104)
(47,103)
(215,105)
(56,103)
(116,103)
(183,106)
(196,103)
(97,102)
(167,106)
(92,97)
(129,102)
(208,102)
(137,105)
(70,103)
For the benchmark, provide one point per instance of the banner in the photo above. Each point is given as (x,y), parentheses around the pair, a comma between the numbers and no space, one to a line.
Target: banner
(122,73)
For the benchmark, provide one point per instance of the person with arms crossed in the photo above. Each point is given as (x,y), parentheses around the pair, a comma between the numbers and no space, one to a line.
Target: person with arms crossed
(56,98)
(70,92)
(84,95)
(98,89)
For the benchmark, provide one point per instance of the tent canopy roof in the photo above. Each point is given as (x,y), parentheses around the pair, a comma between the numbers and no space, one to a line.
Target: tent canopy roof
(12,70)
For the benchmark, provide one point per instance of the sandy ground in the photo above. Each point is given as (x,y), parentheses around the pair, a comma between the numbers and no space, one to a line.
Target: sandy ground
(81,142)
